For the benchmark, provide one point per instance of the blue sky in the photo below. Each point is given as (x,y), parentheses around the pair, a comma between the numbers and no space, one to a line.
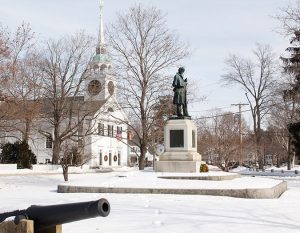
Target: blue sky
(213,29)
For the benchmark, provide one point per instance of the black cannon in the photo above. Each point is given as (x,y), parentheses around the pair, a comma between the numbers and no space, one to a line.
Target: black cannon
(48,216)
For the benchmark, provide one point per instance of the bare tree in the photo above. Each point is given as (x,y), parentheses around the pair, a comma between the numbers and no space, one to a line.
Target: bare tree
(67,115)
(72,155)
(20,80)
(220,139)
(227,138)
(4,51)
(4,58)
(279,143)
(143,49)
(256,78)
(206,141)
(289,18)
(163,110)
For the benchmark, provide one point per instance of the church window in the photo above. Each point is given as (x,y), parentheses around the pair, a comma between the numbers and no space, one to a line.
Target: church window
(49,142)
(119,129)
(110,131)
(101,129)
(103,69)
(119,133)
(96,69)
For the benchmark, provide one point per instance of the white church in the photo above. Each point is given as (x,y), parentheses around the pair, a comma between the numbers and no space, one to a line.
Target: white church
(108,145)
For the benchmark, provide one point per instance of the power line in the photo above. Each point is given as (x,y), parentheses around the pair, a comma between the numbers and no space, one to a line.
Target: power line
(230,113)
(220,115)
(211,109)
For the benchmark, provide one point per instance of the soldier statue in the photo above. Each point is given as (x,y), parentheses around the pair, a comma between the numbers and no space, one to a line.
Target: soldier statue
(180,99)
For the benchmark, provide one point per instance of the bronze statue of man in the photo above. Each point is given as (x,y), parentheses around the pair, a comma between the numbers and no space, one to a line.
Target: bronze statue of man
(179,84)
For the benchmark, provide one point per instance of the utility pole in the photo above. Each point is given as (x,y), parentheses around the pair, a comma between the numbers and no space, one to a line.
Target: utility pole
(240,130)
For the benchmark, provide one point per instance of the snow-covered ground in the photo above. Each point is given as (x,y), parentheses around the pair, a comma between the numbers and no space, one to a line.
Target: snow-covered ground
(150,179)
(141,213)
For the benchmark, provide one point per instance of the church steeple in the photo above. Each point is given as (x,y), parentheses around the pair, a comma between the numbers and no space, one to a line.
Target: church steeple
(100,84)
(101,55)
(101,42)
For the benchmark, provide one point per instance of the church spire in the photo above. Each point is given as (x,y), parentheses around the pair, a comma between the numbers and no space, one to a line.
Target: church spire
(101,43)
(101,56)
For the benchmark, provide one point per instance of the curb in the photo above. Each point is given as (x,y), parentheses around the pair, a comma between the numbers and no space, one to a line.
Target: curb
(263,193)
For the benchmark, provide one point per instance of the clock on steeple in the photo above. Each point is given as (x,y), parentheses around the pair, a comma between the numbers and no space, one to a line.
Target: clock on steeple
(94,87)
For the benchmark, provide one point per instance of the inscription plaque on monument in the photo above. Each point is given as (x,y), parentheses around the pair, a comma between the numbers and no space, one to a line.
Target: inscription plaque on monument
(176,138)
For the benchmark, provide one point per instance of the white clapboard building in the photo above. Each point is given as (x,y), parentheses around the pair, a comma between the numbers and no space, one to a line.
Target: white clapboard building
(107,145)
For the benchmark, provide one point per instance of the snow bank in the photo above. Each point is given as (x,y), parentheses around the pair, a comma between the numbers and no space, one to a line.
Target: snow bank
(8,167)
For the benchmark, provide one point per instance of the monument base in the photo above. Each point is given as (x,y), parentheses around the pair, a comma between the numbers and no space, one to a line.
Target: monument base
(180,139)
(178,166)
(180,156)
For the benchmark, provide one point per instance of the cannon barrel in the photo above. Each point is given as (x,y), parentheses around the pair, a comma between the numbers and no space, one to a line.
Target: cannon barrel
(47,216)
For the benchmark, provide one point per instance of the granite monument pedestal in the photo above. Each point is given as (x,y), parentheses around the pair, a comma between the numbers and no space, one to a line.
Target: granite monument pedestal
(180,134)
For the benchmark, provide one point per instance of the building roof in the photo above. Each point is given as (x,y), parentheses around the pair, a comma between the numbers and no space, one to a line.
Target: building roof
(12,109)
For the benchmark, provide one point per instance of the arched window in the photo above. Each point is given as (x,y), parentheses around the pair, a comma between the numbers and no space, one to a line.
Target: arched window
(103,68)
(96,68)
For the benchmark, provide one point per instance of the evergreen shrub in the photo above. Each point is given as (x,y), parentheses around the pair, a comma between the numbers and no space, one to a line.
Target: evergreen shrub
(19,153)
